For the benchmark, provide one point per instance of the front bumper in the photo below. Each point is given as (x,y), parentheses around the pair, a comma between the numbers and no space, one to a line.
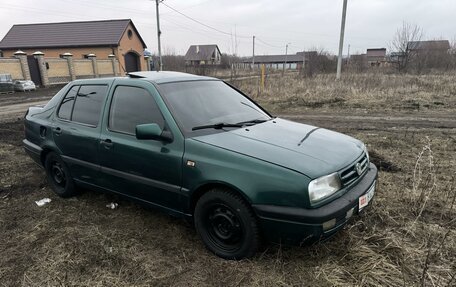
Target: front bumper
(298,225)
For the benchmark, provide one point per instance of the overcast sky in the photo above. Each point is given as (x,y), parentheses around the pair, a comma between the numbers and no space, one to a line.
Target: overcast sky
(306,24)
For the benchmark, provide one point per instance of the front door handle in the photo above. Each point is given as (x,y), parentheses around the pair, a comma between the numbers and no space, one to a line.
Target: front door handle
(58,131)
(107,143)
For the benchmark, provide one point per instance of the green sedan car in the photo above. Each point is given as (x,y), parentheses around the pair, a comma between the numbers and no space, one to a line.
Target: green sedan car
(197,148)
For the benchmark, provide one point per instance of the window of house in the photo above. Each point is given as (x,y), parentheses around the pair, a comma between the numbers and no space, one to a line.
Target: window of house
(129,34)
(132,106)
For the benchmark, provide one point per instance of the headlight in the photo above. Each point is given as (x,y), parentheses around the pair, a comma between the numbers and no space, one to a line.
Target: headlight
(323,187)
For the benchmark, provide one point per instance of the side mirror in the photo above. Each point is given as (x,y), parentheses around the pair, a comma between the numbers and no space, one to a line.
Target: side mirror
(152,132)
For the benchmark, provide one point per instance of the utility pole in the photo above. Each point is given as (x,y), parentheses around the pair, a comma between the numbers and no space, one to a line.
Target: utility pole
(348,54)
(253,54)
(235,41)
(304,62)
(160,63)
(341,40)
(285,63)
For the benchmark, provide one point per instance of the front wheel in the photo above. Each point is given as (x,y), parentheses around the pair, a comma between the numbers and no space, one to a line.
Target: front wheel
(58,176)
(227,224)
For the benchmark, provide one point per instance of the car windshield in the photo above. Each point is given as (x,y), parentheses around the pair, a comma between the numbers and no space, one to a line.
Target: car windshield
(200,104)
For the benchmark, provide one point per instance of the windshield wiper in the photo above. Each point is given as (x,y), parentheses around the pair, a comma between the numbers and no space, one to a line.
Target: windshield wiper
(218,126)
(253,122)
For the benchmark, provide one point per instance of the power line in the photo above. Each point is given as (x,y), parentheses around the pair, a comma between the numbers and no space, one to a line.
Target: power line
(201,23)
(267,44)
(181,27)
(108,6)
(241,38)
(191,6)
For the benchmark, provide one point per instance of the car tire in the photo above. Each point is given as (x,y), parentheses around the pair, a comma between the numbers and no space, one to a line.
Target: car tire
(226,224)
(58,176)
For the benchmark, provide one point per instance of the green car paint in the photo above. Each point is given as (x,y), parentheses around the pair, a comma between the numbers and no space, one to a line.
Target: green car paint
(270,164)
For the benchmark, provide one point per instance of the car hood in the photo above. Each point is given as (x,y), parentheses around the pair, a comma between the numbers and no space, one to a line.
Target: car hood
(304,148)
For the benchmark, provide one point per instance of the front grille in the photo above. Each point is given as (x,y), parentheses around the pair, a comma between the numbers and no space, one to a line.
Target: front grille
(354,171)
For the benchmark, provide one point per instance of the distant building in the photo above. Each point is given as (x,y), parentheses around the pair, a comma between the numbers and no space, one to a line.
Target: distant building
(198,55)
(293,61)
(102,38)
(396,57)
(429,46)
(359,61)
(376,57)
(429,54)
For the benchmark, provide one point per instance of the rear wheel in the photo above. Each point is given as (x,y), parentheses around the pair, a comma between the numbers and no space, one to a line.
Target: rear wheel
(58,176)
(226,224)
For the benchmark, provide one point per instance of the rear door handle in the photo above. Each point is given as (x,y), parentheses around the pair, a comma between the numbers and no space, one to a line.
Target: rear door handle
(57,130)
(107,143)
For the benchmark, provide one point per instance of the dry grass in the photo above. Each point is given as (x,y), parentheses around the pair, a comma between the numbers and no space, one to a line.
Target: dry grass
(406,238)
(372,92)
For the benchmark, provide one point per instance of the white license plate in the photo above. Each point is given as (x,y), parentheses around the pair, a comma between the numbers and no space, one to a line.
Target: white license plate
(366,198)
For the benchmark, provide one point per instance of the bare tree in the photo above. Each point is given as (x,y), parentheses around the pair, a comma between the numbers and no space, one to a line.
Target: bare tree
(172,61)
(400,45)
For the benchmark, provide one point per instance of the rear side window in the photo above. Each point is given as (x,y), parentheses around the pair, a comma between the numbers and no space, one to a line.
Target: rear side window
(132,106)
(82,104)
(87,106)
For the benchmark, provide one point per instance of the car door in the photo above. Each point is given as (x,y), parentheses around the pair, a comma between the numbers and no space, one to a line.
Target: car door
(150,170)
(76,129)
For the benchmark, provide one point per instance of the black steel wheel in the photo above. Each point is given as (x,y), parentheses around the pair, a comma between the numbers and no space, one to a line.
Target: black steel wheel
(58,176)
(226,224)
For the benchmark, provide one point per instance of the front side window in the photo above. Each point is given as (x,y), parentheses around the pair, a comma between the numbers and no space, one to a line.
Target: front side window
(132,106)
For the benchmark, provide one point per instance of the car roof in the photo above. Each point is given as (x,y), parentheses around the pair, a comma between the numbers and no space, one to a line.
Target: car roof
(162,77)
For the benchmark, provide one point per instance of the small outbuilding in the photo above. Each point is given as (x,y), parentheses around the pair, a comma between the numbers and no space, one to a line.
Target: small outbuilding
(376,57)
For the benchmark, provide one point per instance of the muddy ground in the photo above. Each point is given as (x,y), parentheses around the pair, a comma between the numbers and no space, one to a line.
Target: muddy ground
(406,238)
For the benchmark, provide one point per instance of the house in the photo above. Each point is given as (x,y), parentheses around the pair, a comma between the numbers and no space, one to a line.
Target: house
(203,55)
(429,54)
(376,57)
(82,39)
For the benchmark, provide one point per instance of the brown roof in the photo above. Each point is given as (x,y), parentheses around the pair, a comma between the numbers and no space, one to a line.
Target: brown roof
(200,52)
(67,34)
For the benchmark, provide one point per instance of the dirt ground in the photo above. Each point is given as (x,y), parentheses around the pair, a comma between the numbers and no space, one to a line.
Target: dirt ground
(406,238)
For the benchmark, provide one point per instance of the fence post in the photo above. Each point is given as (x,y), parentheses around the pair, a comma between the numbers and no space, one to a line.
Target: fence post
(69,58)
(43,68)
(93,58)
(22,56)
(262,77)
(115,67)
(147,58)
